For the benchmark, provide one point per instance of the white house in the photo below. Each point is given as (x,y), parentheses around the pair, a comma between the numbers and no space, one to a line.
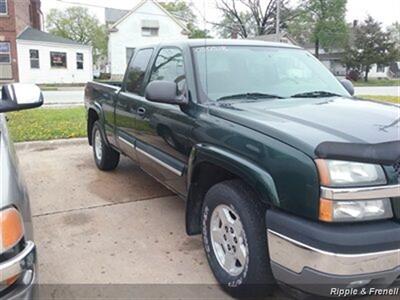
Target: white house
(381,71)
(47,59)
(146,23)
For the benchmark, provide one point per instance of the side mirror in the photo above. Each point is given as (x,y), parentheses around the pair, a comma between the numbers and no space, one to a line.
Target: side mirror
(164,92)
(20,96)
(348,85)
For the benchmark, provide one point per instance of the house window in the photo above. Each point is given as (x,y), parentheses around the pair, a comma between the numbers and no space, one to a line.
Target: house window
(58,59)
(150,27)
(79,61)
(34,58)
(146,31)
(5,53)
(380,68)
(3,7)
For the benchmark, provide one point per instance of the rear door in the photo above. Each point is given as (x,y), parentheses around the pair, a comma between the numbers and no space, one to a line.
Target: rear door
(128,101)
(163,129)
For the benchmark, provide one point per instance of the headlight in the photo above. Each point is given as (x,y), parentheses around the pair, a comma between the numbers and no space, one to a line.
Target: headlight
(344,174)
(336,173)
(11,228)
(358,210)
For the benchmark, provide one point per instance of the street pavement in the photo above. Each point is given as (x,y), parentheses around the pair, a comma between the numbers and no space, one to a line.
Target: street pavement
(378,90)
(67,97)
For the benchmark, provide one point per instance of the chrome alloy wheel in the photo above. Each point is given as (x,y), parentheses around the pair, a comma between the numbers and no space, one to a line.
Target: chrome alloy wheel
(98,145)
(228,240)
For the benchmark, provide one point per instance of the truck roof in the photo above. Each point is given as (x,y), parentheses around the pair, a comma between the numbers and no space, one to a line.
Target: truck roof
(223,42)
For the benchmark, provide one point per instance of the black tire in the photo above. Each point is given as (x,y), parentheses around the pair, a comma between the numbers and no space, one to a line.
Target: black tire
(109,158)
(256,279)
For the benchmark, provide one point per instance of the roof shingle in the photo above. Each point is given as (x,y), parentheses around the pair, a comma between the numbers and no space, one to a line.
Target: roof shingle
(31,34)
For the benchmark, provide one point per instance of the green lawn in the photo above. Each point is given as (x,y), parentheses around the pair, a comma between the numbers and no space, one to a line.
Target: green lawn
(47,124)
(377,82)
(391,99)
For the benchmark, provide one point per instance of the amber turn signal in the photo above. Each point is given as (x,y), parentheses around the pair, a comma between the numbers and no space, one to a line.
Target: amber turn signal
(323,172)
(325,210)
(11,228)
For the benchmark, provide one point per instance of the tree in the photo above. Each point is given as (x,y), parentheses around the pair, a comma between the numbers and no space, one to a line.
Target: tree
(182,10)
(77,24)
(321,22)
(394,32)
(249,18)
(370,45)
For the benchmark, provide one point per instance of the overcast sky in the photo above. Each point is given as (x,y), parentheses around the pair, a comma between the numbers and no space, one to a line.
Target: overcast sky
(386,11)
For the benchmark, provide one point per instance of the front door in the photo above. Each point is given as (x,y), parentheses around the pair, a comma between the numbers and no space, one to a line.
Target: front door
(127,102)
(162,141)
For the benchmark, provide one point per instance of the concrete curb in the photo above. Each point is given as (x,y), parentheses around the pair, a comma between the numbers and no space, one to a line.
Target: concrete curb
(38,144)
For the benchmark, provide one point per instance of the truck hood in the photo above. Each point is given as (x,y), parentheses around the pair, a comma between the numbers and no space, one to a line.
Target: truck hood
(304,123)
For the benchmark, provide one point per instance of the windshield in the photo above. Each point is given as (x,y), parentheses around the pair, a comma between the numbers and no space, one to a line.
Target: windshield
(230,71)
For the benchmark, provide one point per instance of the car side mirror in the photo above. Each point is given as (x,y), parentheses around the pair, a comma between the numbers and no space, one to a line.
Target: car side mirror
(348,85)
(162,91)
(18,96)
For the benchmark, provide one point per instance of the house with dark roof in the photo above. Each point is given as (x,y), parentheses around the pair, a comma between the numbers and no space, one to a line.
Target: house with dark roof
(44,58)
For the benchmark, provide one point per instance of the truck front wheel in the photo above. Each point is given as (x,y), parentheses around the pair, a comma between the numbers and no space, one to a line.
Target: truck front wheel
(234,238)
(106,158)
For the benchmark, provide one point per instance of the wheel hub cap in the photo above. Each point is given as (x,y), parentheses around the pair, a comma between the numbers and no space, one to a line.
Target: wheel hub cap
(98,145)
(228,240)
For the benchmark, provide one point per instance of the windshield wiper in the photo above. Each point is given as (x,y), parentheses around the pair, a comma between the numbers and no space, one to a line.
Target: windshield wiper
(254,96)
(314,94)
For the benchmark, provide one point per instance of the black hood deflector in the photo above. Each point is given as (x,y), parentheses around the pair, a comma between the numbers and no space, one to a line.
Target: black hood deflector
(383,153)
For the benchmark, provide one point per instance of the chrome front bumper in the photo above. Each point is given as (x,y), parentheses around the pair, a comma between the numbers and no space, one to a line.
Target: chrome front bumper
(23,261)
(315,257)
(296,256)
(361,193)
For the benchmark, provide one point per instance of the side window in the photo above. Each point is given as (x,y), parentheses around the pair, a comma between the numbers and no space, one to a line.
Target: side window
(137,70)
(169,67)
(79,61)
(34,58)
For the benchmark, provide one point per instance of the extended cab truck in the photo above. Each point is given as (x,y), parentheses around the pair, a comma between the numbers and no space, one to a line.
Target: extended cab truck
(288,177)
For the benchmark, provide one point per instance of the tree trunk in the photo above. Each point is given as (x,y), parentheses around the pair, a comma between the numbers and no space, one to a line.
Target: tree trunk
(366,74)
(317,48)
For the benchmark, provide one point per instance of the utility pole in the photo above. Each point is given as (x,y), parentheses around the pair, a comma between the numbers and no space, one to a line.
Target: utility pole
(278,17)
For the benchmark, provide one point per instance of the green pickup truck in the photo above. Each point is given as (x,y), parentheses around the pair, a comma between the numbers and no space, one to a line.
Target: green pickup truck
(288,178)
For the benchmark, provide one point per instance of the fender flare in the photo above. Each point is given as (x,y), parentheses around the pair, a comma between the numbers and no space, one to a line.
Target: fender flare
(259,179)
(98,109)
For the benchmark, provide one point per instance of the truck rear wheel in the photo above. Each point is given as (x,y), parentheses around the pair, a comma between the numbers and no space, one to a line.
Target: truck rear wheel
(235,241)
(106,158)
